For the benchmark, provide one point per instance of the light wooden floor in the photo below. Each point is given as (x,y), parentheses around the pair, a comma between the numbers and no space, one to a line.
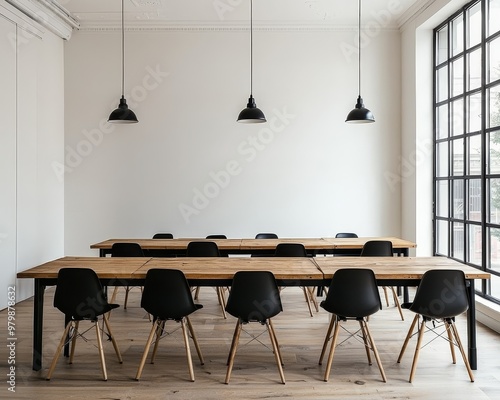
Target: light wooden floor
(255,375)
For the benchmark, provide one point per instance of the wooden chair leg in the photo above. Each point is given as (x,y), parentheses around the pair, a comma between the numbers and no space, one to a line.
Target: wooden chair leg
(101,350)
(73,341)
(421,332)
(188,350)
(451,342)
(127,290)
(365,341)
(113,340)
(276,341)
(306,296)
(332,349)
(408,337)
(58,350)
(375,351)
(397,303)
(277,354)
(232,354)
(146,350)
(462,351)
(386,296)
(160,327)
(312,297)
(327,339)
(196,292)
(196,345)
(222,302)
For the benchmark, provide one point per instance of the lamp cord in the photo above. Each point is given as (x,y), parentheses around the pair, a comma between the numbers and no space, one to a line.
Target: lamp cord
(123,55)
(359,47)
(251,47)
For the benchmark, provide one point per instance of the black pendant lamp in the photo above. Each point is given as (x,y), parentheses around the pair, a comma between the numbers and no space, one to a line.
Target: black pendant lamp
(251,114)
(123,115)
(359,114)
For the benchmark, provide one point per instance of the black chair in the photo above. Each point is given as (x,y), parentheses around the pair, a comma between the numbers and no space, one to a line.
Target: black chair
(80,297)
(346,235)
(382,248)
(298,250)
(263,236)
(254,297)
(125,249)
(346,252)
(163,236)
(266,236)
(167,296)
(207,249)
(440,297)
(216,237)
(353,295)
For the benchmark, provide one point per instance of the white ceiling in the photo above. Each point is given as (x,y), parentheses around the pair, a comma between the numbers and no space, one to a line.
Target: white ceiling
(385,13)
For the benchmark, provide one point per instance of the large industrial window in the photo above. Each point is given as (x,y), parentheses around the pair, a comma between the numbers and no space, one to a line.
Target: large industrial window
(467,140)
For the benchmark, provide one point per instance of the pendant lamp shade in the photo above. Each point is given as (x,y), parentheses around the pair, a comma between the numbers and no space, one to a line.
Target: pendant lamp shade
(251,114)
(359,114)
(123,115)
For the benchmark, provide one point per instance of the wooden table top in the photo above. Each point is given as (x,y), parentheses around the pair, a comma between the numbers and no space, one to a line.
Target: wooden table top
(255,244)
(357,243)
(105,267)
(225,267)
(396,267)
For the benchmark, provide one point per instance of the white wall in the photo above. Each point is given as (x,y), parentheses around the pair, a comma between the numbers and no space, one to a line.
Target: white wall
(304,173)
(31,222)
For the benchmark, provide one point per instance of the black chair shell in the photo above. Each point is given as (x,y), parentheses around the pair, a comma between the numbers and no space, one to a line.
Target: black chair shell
(163,236)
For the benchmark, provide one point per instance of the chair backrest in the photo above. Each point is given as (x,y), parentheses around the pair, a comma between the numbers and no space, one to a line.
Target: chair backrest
(266,236)
(290,250)
(254,296)
(126,250)
(166,294)
(202,249)
(441,294)
(353,293)
(346,235)
(79,294)
(377,248)
(216,237)
(163,236)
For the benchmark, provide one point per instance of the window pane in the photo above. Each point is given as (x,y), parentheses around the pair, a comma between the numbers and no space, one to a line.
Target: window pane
(442,159)
(442,83)
(475,25)
(442,121)
(457,110)
(494,162)
(474,162)
(442,45)
(457,35)
(458,241)
(442,199)
(475,243)
(494,201)
(475,200)
(474,69)
(458,199)
(494,106)
(494,60)
(495,250)
(457,82)
(494,19)
(442,238)
(458,157)
(474,115)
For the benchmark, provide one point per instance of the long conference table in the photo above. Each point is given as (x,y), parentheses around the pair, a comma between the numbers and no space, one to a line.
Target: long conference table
(314,246)
(219,271)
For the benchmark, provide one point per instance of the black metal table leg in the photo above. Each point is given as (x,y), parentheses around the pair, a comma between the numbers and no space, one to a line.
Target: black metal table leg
(471,325)
(38,324)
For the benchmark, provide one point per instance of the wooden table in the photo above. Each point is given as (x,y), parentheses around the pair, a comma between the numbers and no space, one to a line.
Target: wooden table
(218,271)
(313,246)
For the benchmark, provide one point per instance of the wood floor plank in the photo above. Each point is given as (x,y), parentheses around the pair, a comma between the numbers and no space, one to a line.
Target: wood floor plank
(255,374)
